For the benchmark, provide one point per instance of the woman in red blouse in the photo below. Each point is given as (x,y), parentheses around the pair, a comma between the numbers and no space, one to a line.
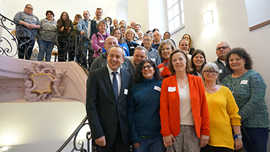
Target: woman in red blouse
(165,49)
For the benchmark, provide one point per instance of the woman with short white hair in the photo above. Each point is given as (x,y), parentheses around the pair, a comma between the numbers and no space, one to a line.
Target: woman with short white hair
(223,114)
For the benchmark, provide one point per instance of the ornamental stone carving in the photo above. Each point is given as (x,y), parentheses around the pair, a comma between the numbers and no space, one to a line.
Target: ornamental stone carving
(42,82)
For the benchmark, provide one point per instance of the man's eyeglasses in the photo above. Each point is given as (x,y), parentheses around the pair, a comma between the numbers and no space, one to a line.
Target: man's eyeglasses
(223,47)
(29,7)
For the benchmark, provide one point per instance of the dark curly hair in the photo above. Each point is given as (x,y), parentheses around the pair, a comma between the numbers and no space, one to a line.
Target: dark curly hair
(242,53)
(193,66)
(138,75)
(171,65)
(49,11)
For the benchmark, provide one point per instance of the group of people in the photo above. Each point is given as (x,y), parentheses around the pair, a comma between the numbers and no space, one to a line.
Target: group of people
(147,92)
(182,103)
(80,40)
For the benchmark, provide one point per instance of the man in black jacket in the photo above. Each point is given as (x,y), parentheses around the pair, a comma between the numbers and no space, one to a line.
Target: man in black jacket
(96,20)
(106,104)
(221,50)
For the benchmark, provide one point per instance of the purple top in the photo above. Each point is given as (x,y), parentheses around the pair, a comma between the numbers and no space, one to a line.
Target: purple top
(98,43)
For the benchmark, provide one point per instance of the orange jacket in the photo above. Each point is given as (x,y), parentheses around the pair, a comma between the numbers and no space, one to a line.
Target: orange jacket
(170,106)
(164,69)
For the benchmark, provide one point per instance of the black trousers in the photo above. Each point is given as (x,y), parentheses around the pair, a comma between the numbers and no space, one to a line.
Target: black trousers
(25,47)
(83,50)
(117,146)
(65,48)
(209,148)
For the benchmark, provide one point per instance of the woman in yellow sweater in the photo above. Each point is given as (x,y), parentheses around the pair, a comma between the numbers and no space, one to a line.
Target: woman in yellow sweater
(223,114)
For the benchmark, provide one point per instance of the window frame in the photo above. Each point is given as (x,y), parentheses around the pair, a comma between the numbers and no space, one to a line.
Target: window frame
(180,14)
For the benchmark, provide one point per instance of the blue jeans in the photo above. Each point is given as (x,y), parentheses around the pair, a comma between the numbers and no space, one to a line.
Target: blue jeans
(151,145)
(45,47)
(255,139)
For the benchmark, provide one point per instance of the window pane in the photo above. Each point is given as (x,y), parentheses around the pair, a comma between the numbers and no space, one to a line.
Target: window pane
(170,3)
(174,24)
(170,27)
(174,11)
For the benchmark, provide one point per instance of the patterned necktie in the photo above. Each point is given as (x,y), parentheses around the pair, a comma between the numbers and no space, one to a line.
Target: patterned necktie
(115,85)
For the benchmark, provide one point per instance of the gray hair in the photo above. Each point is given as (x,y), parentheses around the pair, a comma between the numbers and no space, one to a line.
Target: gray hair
(223,42)
(141,48)
(117,47)
(210,66)
(148,34)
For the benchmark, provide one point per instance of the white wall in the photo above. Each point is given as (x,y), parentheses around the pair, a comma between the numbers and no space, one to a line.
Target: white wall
(149,13)
(138,11)
(39,126)
(157,15)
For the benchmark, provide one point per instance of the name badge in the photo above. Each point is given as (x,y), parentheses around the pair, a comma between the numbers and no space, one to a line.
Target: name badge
(132,47)
(153,59)
(171,89)
(126,91)
(157,88)
(101,41)
(244,82)
(220,71)
(161,69)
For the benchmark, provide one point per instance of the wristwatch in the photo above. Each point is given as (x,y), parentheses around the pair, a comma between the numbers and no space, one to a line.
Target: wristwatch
(237,136)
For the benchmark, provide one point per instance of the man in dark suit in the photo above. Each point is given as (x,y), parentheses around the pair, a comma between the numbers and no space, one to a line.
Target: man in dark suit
(106,104)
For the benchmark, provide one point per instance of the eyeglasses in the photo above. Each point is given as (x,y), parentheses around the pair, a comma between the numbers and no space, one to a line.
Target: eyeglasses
(223,47)
(146,39)
(29,7)
(210,71)
(147,67)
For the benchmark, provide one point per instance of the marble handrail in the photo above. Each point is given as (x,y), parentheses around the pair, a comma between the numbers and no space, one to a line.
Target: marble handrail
(15,72)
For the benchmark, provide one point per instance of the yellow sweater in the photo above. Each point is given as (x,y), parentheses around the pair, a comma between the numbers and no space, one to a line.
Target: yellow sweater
(223,113)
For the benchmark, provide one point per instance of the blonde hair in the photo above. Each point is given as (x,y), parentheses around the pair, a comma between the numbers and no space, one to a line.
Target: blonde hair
(130,30)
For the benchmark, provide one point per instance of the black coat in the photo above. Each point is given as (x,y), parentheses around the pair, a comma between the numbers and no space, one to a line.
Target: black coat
(105,114)
(131,46)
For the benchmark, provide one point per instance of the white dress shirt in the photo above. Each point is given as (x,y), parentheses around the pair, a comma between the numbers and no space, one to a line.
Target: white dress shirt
(118,77)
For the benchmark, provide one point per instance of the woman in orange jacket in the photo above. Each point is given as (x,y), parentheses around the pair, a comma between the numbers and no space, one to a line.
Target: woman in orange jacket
(183,108)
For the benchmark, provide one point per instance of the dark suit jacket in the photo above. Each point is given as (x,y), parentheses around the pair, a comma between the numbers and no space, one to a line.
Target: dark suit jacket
(131,46)
(103,111)
(94,28)
(224,71)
